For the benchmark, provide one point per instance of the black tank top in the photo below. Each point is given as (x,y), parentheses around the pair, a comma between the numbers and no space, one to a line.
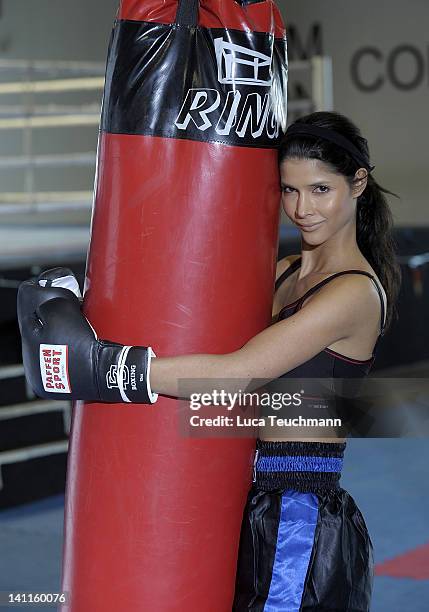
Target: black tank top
(328,363)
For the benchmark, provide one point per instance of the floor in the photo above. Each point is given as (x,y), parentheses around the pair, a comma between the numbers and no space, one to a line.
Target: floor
(388,478)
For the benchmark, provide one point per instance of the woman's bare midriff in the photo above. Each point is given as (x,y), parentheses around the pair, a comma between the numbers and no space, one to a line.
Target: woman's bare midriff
(330,440)
(269,434)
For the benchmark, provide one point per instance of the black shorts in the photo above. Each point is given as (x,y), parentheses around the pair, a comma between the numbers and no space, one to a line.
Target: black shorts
(304,545)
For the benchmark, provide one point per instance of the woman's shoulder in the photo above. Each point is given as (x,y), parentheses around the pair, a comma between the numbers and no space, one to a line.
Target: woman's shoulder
(381,292)
(355,268)
(369,270)
(362,282)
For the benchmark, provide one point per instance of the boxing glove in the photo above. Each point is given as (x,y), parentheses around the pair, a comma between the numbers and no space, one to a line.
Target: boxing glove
(64,359)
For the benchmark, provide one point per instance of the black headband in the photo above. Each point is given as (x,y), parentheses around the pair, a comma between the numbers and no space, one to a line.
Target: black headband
(332,136)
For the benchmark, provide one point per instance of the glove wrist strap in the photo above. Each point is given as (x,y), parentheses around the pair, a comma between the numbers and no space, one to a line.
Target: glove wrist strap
(134,382)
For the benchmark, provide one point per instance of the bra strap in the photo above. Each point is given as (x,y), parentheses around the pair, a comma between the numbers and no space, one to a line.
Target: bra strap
(326,280)
(294,265)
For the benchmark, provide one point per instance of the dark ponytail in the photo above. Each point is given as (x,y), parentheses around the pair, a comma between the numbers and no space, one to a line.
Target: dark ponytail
(374,220)
(374,236)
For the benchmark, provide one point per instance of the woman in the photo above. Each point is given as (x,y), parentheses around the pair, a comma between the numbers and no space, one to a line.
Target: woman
(304,543)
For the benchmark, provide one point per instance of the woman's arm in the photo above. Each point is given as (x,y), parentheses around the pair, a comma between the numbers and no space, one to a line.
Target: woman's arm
(336,311)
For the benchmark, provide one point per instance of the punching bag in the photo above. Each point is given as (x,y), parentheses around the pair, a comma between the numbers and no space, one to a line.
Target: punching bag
(182,257)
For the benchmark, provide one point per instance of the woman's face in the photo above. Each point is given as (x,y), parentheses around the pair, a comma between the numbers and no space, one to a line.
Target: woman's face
(318,201)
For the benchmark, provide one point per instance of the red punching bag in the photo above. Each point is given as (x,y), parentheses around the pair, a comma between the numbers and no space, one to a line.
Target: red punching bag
(182,258)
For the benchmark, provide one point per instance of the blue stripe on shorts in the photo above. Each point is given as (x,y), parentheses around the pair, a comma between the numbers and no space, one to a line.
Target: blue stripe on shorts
(295,537)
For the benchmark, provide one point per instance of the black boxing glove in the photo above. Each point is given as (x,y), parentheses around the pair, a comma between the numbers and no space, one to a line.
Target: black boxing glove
(64,359)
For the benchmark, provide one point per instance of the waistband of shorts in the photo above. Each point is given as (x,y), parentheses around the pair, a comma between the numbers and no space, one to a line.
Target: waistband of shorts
(298,465)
